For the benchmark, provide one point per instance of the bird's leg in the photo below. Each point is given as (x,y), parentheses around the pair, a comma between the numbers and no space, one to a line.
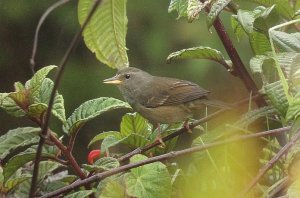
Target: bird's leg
(187,126)
(158,137)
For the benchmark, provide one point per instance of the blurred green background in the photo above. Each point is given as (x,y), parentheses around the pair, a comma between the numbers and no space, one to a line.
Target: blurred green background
(153,34)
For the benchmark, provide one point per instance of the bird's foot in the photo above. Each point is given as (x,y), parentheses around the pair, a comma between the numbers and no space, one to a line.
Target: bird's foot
(187,126)
(159,139)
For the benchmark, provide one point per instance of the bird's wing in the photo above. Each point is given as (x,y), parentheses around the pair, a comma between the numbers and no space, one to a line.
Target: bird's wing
(171,92)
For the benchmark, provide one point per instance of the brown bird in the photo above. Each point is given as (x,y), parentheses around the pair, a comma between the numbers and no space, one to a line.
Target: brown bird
(161,99)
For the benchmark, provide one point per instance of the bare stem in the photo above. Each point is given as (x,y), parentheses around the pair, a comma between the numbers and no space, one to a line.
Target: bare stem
(44,133)
(173,154)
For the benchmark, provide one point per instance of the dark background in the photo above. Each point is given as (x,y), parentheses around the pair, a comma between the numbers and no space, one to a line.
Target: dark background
(152,35)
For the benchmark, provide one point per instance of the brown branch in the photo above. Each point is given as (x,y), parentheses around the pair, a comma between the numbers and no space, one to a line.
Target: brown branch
(271,163)
(44,133)
(40,23)
(180,131)
(173,154)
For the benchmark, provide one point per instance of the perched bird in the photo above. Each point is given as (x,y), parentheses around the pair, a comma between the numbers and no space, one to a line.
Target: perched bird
(161,99)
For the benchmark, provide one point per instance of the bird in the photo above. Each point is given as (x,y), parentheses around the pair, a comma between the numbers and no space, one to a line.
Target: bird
(161,100)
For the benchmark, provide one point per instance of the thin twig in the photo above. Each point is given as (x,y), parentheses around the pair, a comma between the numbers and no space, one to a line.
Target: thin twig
(37,30)
(172,154)
(180,131)
(44,133)
(271,163)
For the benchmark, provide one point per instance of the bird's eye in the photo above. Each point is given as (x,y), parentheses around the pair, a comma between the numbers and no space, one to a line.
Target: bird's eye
(127,76)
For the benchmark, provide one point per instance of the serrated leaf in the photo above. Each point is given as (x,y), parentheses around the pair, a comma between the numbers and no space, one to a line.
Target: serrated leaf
(10,106)
(143,181)
(198,53)
(237,27)
(102,164)
(110,141)
(260,44)
(293,111)
(21,99)
(255,114)
(37,110)
(282,7)
(277,96)
(135,140)
(180,6)
(17,162)
(58,108)
(134,123)
(106,32)
(35,82)
(289,42)
(16,138)
(256,63)
(80,194)
(91,109)
(103,135)
(215,10)
(194,8)
(19,86)
(12,183)
(46,168)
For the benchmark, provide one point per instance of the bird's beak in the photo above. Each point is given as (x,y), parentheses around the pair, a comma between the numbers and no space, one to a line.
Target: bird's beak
(113,80)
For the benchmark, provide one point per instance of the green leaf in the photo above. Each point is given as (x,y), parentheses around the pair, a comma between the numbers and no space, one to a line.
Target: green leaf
(215,10)
(255,114)
(110,141)
(260,43)
(80,194)
(237,27)
(289,42)
(103,135)
(113,189)
(151,180)
(58,108)
(102,164)
(16,138)
(199,53)
(293,111)
(17,162)
(282,7)
(134,123)
(10,106)
(135,140)
(46,168)
(256,63)
(12,183)
(180,6)
(37,110)
(106,32)
(277,96)
(35,83)
(91,109)
(19,86)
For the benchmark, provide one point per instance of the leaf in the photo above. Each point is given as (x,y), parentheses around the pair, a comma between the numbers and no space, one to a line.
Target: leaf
(80,194)
(237,27)
(255,114)
(19,86)
(294,189)
(106,32)
(91,109)
(102,164)
(10,106)
(17,162)
(289,42)
(35,83)
(282,7)
(37,110)
(215,10)
(58,108)
(113,189)
(259,43)
(103,135)
(46,168)
(180,6)
(293,111)
(199,53)
(277,96)
(151,180)
(16,138)
(110,141)
(256,63)
(193,9)
(134,123)
(135,140)
(12,183)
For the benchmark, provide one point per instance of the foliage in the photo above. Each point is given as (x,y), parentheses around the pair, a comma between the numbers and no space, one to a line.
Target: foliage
(275,63)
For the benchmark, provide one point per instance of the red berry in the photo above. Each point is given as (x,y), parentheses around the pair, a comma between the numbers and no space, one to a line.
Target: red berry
(92,155)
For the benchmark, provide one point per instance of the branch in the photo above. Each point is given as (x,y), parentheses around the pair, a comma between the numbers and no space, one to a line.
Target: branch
(271,163)
(44,133)
(37,30)
(173,154)
(180,131)
(239,67)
